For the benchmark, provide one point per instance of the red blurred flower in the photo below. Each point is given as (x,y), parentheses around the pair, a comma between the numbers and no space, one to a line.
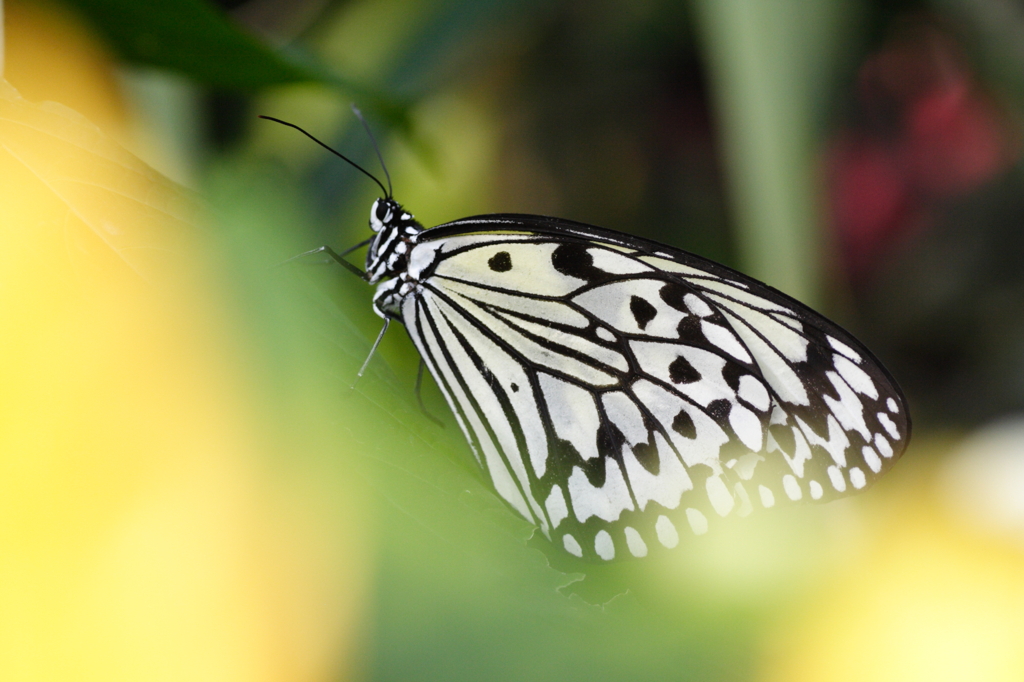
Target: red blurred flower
(954,140)
(927,132)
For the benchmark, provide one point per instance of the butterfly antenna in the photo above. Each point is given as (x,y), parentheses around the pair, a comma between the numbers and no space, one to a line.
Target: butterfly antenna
(373,141)
(336,153)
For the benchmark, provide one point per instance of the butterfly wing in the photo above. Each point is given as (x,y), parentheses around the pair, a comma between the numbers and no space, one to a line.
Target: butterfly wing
(615,389)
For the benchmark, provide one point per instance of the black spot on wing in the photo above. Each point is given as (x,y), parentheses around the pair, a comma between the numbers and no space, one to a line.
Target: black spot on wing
(515,387)
(574,260)
(595,470)
(719,410)
(647,455)
(643,312)
(609,440)
(500,262)
(609,446)
(680,371)
(672,294)
(732,373)
(684,426)
(690,333)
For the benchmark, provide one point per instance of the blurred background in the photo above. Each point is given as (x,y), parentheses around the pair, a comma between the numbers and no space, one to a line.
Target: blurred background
(189,487)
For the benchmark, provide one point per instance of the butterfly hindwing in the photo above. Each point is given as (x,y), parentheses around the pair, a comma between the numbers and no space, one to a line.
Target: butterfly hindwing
(616,391)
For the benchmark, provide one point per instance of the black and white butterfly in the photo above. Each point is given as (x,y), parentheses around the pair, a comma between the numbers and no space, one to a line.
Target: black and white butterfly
(616,391)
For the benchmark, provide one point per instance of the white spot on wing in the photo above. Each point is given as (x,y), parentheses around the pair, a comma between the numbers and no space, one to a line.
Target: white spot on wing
(604,546)
(871,458)
(635,543)
(718,495)
(747,426)
(816,490)
(779,415)
(767,497)
(697,306)
(615,263)
(893,407)
(856,377)
(857,478)
(835,475)
(698,522)
(667,533)
(571,546)
(884,420)
(753,391)
(606,502)
(724,339)
(555,506)
(882,445)
(844,349)
(605,334)
(792,487)
(573,413)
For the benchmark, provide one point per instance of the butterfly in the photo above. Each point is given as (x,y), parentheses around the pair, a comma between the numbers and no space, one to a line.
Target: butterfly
(617,392)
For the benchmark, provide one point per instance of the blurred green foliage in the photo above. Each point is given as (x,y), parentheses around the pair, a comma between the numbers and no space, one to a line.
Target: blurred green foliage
(196,39)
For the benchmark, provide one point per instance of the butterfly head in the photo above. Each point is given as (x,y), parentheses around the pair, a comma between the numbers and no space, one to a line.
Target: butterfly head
(384,213)
(396,230)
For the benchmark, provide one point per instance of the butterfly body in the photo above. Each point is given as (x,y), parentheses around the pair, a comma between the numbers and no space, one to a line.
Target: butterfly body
(616,391)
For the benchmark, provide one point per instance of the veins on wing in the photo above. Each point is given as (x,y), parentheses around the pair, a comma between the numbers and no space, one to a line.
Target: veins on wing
(545,343)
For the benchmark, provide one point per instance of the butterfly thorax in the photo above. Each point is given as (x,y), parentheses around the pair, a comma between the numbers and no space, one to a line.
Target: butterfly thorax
(387,260)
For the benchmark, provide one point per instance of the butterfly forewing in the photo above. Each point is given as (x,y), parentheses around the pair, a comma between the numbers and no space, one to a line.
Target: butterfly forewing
(617,391)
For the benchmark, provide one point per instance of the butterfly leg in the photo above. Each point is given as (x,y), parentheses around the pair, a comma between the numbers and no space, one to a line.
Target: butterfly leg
(419,395)
(373,349)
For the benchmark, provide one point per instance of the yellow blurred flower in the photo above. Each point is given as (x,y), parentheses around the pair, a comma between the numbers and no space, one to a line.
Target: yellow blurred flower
(929,599)
(143,534)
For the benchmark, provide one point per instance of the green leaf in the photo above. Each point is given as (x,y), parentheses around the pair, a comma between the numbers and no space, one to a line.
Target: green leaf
(772,65)
(196,39)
